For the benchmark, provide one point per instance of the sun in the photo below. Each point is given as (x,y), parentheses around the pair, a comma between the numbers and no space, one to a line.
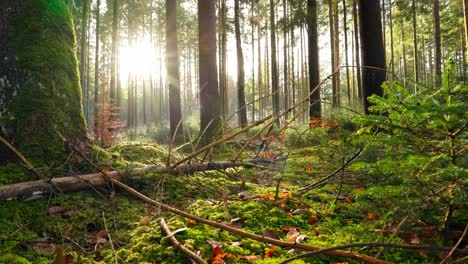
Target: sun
(137,60)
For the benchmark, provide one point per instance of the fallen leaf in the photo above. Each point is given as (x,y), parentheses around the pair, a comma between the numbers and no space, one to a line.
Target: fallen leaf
(309,169)
(313,219)
(289,228)
(53,210)
(316,231)
(292,235)
(270,252)
(372,216)
(300,211)
(45,247)
(289,214)
(69,259)
(270,234)
(216,251)
(251,258)
(300,238)
(190,223)
(103,233)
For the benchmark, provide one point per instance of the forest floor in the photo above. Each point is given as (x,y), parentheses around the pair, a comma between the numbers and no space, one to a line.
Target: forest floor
(108,225)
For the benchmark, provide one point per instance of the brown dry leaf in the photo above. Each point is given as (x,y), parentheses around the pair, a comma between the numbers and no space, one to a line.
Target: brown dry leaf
(102,234)
(300,211)
(53,210)
(292,235)
(270,252)
(313,219)
(372,216)
(44,247)
(270,234)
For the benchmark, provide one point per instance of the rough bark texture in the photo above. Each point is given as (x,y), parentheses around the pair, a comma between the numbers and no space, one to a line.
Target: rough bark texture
(40,94)
(242,111)
(172,62)
(437,50)
(357,53)
(113,70)
(465,16)
(372,50)
(209,96)
(415,42)
(274,64)
(332,52)
(314,68)
(75,183)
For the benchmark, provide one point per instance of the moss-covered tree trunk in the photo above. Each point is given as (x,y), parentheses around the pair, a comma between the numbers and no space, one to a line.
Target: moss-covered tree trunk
(40,94)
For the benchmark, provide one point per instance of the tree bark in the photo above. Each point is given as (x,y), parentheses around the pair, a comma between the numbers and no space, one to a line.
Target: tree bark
(223,66)
(40,94)
(113,70)
(415,42)
(437,49)
(97,108)
(332,52)
(315,110)
(285,58)
(242,111)
(172,62)
(209,95)
(372,50)
(345,31)
(274,64)
(75,183)
(357,49)
(465,16)
(336,48)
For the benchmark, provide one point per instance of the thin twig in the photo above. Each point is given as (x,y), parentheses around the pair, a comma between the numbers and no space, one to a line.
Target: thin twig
(110,238)
(178,245)
(365,244)
(317,183)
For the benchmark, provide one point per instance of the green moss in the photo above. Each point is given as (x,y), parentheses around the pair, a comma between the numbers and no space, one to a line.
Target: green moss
(48,101)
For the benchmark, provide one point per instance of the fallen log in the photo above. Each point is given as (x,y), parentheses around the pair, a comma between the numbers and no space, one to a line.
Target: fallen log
(26,190)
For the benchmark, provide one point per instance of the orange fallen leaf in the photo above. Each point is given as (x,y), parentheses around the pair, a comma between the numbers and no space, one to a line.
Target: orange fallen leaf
(289,214)
(270,252)
(372,216)
(309,169)
(313,219)
(265,154)
(316,231)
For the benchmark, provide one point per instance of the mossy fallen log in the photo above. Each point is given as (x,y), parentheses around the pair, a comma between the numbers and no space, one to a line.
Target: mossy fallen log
(38,188)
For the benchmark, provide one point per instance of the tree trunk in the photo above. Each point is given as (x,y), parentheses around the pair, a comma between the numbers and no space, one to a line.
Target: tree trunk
(437,50)
(97,108)
(84,23)
(115,29)
(373,54)
(172,62)
(315,110)
(345,31)
(40,94)
(357,49)
(392,53)
(75,183)
(260,74)
(209,95)
(223,66)
(242,111)
(465,16)
(252,37)
(274,64)
(403,53)
(332,52)
(336,48)
(285,58)
(415,43)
